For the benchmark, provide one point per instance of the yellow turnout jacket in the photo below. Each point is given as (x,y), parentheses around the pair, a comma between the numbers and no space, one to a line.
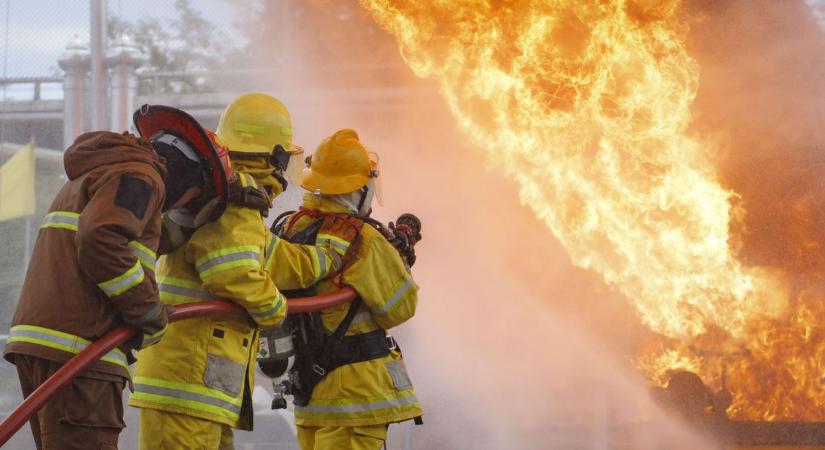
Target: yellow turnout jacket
(369,392)
(204,367)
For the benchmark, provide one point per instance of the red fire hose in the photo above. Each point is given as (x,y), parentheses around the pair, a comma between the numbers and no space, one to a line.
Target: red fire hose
(209,308)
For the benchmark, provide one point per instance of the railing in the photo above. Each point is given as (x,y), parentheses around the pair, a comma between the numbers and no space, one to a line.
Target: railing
(36,82)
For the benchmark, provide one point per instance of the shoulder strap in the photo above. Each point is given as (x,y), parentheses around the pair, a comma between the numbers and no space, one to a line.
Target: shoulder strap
(307,235)
(377,225)
(278,225)
(344,325)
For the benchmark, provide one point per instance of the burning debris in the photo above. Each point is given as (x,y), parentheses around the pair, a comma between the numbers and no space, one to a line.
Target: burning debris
(687,397)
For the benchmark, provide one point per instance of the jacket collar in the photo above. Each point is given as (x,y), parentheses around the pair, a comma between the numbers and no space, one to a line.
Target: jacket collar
(319,203)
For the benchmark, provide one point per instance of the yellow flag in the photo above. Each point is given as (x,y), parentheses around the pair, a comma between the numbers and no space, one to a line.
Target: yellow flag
(17,184)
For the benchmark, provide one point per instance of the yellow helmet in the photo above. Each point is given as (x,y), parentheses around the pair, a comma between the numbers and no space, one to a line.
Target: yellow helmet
(340,165)
(254,124)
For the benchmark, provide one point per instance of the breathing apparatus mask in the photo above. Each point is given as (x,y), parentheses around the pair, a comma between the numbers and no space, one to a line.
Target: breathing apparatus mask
(275,170)
(183,168)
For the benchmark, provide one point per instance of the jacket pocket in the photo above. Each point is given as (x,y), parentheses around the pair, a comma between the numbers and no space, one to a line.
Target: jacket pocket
(224,372)
(94,403)
(224,375)
(398,372)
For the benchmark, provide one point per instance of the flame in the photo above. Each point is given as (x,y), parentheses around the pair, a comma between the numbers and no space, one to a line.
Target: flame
(587,106)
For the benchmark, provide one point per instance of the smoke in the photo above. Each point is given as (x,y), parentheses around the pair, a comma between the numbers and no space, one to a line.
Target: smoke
(760,101)
(761,93)
(511,347)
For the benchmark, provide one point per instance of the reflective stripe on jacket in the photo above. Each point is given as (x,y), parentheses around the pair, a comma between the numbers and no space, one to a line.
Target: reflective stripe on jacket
(119,285)
(296,266)
(59,340)
(91,266)
(203,366)
(146,257)
(372,392)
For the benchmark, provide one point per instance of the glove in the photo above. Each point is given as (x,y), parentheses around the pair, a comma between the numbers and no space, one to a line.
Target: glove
(149,333)
(338,232)
(248,196)
(151,338)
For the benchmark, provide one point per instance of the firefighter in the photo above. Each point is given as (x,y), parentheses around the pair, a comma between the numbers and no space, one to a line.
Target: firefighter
(93,265)
(352,387)
(195,386)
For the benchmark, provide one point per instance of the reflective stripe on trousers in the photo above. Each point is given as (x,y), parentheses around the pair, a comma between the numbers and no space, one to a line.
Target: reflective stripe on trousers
(316,410)
(189,396)
(61,341)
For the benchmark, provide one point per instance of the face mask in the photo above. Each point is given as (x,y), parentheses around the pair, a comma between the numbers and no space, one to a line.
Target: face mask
(358,202)
(365,206)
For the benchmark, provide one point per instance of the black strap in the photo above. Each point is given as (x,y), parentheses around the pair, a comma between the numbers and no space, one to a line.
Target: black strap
(278,225)
(307,235)
(360,347)
(342,328)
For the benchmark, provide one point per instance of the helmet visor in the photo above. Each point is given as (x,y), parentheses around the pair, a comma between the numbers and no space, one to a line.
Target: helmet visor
(375,174)
(295,166)
(288,162)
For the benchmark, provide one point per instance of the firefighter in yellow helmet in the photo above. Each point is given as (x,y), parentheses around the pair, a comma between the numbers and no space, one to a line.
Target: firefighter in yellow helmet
(194,387)
(356,384)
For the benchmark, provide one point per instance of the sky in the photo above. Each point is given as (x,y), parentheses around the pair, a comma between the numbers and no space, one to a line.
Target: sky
(34,33)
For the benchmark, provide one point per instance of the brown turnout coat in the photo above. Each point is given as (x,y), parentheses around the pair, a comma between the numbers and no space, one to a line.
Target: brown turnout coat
(92,268)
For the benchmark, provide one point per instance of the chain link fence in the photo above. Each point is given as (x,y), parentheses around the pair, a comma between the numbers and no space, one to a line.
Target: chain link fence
(187,49)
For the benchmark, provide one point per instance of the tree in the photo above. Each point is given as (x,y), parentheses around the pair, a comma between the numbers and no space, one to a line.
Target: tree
(186,44)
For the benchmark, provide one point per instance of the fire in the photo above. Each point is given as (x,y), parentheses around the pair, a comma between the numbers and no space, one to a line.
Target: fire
(587,106)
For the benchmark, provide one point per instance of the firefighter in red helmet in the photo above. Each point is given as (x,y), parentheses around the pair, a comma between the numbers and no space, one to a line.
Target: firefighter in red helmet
(93,263)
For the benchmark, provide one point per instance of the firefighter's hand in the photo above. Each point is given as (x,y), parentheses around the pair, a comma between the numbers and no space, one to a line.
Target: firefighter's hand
(151,332)
(248,196)
(338,232)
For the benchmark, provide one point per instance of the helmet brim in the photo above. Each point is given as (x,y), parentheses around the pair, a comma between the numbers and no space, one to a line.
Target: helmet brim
(316,182)
(151,120)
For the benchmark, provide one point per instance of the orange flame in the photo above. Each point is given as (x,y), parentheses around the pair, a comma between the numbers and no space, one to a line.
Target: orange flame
(587,106)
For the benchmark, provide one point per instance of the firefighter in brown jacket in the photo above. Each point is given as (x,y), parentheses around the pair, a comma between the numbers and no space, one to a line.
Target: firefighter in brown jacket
(92,268)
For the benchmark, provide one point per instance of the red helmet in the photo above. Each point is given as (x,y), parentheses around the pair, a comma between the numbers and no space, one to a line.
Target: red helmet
(222,150)
(195,156)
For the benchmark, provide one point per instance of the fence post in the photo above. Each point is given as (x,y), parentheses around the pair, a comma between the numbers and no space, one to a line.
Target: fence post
(123,60)
(75,62)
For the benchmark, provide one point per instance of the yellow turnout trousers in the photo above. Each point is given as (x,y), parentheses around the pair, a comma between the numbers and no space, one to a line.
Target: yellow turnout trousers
(161,430)
(345,438)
